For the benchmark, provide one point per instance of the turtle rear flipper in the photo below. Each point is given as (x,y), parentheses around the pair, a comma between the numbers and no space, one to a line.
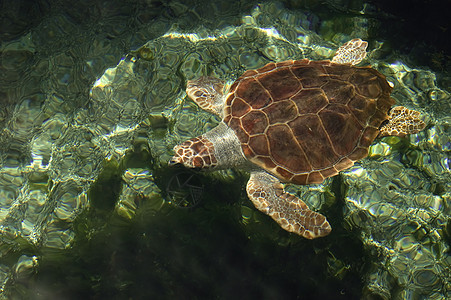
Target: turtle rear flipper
(292,214)
(402,121)
(352,52)
(207,93)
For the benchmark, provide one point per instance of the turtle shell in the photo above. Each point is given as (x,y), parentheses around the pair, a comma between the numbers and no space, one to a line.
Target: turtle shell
(304,121)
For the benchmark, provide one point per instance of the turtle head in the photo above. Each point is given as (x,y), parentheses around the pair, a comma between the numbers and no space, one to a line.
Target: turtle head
(194,153)
(185,155)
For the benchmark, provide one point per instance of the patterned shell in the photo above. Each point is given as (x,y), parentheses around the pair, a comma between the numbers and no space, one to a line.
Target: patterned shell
(304,121)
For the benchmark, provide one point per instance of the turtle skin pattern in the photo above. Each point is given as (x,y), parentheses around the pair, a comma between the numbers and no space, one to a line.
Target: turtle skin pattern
(304,121)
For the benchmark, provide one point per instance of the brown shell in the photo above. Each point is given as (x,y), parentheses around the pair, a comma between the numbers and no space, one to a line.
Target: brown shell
(304,121)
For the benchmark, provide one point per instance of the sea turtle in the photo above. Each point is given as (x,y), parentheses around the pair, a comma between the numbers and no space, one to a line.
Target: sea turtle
(297,121)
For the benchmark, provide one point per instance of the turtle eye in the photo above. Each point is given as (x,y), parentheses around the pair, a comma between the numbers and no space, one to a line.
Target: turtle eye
(173,161)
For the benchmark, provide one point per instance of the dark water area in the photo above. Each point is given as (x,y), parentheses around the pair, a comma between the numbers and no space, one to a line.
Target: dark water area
(417,29)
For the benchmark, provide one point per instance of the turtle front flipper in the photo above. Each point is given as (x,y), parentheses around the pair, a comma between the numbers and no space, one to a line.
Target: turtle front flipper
(207,93)
(292,214)
(402,121)
(352,52)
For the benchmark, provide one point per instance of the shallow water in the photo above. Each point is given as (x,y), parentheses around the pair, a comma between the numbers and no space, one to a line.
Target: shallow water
(92,103)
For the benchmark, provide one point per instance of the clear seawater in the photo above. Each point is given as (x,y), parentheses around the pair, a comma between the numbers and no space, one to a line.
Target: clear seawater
(92,102)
